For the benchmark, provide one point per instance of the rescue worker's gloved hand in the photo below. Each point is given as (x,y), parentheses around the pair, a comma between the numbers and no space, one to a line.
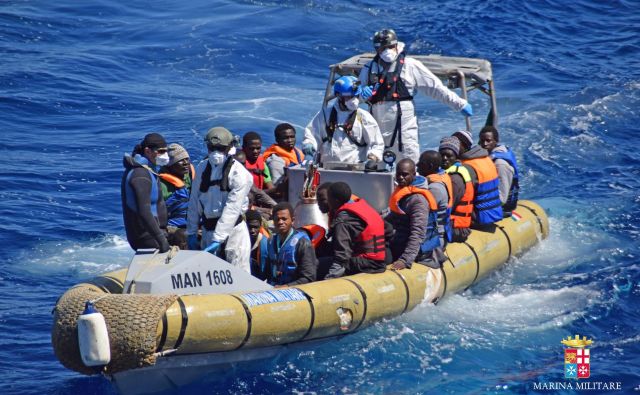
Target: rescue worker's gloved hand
(367,91)
(308,149)
(192,242)
(164,245)
(467,110)
(213,247)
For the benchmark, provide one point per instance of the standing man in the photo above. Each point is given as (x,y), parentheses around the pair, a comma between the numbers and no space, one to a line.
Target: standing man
(390,81)
(143,209)
(505,161)
(344,132)
(291,255)
(219,198)
(175,181)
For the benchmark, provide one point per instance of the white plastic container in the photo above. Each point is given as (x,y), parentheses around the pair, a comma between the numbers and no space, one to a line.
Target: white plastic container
(93,337)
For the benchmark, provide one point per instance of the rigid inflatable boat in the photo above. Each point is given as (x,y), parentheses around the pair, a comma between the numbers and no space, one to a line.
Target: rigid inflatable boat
(169,319)
(169,324)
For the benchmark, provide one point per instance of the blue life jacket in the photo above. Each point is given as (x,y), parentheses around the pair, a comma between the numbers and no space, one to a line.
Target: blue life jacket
(131,196)
(514,191)
(486,202)
(283,258)
(178,202)
(259,258)
(444,215)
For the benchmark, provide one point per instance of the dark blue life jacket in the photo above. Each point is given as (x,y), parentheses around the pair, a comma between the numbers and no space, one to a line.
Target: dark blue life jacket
(259,260)
(514,191)
(283,258)
(130,194)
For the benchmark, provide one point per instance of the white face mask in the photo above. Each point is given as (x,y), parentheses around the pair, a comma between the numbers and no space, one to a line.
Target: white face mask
(216,158)
(162,160)
(389,55)
(352,104)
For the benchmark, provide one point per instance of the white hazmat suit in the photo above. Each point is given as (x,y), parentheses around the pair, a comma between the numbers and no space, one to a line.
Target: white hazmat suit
(416,77)
(340,148)
(228,207)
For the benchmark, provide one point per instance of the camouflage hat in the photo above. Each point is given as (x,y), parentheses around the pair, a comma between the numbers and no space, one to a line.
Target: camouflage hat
(219,136)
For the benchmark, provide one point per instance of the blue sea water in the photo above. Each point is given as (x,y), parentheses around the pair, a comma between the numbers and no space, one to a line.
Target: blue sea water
(82,82)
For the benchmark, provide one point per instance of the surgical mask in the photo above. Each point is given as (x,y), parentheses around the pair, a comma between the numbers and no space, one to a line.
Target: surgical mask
(216,157)
(162,160)
(352,104)
(388,55)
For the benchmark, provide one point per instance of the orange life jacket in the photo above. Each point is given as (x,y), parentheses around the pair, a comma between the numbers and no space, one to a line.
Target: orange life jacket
(315,232)
(402,192)
(257,171)
(432,234)
(175,181)
(461,214)
(370,242)
(293,157)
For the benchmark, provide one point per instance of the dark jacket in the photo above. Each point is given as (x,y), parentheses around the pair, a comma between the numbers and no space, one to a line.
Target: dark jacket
(346,227)
(307,263)
(144,229)
(410,229)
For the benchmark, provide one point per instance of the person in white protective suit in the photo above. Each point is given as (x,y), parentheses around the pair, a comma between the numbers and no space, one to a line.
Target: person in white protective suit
(220,197)
(343,132)
(391,98)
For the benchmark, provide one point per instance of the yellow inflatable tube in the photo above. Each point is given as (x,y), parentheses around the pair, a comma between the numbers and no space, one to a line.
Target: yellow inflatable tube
(229,322)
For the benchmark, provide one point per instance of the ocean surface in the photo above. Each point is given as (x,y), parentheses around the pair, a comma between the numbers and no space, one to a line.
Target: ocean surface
(81,82)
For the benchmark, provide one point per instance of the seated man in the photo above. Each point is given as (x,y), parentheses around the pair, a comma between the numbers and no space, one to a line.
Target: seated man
(507,167)
(413,214)
(259,246)
(357,233)
(281,155)
(252,147)
(462,186)
(442,190)
(487,208)
(175,182)
(291,256)
(344,132)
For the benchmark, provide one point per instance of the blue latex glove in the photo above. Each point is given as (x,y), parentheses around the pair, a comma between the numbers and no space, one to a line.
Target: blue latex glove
(213,247)
(467,110)
(308,149)
(367,91)
(192,242)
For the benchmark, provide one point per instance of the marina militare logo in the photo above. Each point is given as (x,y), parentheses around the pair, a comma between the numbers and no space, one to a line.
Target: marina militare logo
(577,358)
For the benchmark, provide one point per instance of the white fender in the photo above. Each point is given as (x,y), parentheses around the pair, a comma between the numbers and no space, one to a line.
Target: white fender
(93,337)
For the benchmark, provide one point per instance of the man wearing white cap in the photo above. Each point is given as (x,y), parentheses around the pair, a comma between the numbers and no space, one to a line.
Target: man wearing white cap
(220,197)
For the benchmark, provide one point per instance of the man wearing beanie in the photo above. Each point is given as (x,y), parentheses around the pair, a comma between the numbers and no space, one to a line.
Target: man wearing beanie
(484,175)
(143,209)
(175,181)
(462,188)
(219,198)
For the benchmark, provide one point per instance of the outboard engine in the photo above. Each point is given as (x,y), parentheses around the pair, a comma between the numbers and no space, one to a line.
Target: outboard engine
(307,212)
